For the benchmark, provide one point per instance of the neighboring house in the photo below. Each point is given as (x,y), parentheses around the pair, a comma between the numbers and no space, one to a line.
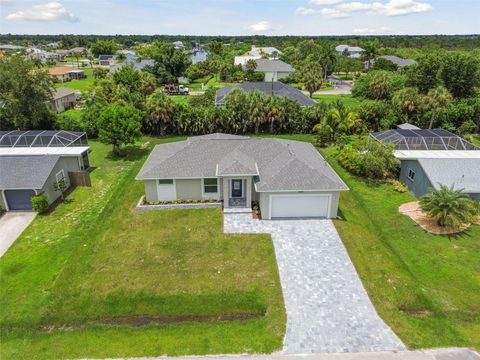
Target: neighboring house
(63,99)
(129,55)
(274,69)
(32,161)
(289,179)
(351,51)
(43,56)
(270,88)
(106,60)
(257,53)
(137,65)
(179,45)
(401,63)
(10,47)
(66,73)
(430,158)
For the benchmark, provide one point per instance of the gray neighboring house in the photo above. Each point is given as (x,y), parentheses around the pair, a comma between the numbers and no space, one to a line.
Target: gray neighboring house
(32,161)
(137,65)
(63,99)
(269,88)
(430,158)
(107,60)
(274,69)
(351,51)
(289,179)
(400,62)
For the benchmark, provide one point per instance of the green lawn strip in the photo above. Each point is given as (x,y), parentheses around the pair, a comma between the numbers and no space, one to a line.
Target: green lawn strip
(425,287)
(109,261)
(348,100)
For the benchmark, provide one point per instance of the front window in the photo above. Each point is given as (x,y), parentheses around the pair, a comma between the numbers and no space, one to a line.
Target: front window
(60,176)
(210,186)
(165,182)
(411,174)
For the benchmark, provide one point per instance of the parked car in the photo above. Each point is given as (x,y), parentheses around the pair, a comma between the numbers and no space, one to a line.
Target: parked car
(172,89)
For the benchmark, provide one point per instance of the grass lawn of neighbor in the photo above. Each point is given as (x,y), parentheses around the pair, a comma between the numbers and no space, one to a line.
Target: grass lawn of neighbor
(348,100)
(83,85)
(425,287)
(97,279)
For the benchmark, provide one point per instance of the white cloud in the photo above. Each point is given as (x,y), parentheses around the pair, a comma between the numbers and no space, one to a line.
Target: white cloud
(367,31)
(6,3)
(305,11)
(333,13)
(261,26)
(52,11)
(325,2)
(390,8)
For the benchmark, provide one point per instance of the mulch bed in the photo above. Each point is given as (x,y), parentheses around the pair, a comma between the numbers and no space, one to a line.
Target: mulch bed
(413,211)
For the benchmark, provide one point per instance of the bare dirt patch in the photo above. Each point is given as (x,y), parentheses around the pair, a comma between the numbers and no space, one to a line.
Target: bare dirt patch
(413,211)
(141,320)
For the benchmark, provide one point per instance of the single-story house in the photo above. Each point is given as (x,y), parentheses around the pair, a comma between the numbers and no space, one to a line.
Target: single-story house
(178,45)
(289,179)
(430,158)
(66,73)
(256,53)
(351,51)
(398,61)
(274,69)
(129,55)
(32,161)
(43,56)
(269,88)
(63,99)
(106,60)
(137,65)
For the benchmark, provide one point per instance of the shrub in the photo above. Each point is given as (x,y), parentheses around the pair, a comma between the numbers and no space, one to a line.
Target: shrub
(70,121)
(449,206)
(399,187)
(40,203)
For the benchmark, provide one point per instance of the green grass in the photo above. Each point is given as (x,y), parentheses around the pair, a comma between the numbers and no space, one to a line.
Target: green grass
(348,100)
(77,114)
(95,258)
(182,99)
(475,139)
(84,85)
(344,76)
(425,287)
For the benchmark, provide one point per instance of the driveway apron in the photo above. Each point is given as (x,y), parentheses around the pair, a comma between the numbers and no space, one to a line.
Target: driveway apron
(328,309)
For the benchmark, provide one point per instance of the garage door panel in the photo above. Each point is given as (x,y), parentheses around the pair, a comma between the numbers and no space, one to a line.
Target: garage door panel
(291,206)
(19,199)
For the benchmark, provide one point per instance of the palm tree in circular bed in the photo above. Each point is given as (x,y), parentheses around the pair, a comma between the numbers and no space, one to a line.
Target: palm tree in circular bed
(449,206)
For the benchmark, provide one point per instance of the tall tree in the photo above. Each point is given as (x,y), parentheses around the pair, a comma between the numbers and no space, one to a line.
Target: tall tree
(25,95)
(311,76)
(103,47)
(160,108)
(370,51)
(170,63)
(460,74)
(250,67)
(437,100)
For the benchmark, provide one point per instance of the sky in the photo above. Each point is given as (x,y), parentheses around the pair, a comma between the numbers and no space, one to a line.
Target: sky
(240,17)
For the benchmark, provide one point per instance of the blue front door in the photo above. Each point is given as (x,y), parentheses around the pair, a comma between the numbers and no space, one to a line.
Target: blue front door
(236,188)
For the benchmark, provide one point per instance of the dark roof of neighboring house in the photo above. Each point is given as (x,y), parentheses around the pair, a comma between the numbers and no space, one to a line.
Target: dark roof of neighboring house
(106,57)
(42,138)
(266,65)
(137,65)
(276,164)
(25,172)
(423,139)
(459,173)
(269,88)
(399,61)
(62,92)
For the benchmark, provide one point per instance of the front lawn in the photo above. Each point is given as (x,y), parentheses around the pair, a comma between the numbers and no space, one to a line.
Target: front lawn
(79,281)
(348,100)
(426,287)
(84,85)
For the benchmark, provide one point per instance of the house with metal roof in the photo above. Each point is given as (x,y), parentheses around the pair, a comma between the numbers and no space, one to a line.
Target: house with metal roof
(274,69)
(274,88)
(289,179)
(430,158)
(32,161)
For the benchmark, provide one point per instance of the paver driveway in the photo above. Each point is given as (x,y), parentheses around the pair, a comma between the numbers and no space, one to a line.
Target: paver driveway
(328,310)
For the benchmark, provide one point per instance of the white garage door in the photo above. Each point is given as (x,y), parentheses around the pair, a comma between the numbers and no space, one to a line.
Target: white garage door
(291,206)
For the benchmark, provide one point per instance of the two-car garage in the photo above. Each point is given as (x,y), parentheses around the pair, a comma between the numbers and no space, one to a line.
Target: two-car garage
(19,200)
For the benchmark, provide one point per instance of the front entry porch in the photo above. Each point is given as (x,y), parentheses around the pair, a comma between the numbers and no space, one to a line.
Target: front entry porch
(237,202)
(237,192)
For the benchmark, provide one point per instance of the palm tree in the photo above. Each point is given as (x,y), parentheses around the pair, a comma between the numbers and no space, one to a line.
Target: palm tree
(370,51)
(160,109)
(258,109)
(449,206)
(437,99)
(328,59)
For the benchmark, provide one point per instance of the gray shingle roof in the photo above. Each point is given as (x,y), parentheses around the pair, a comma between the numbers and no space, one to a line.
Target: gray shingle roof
(25,172)
(266,65)
(399,61)
(282,164)
(269,88)
(459,173)
(61,92)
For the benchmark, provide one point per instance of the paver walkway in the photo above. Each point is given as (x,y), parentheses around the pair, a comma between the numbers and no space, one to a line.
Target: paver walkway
(328,310)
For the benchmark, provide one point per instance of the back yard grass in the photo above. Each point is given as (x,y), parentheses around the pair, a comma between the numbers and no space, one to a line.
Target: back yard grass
(84,85)
(95,261)
(348,100)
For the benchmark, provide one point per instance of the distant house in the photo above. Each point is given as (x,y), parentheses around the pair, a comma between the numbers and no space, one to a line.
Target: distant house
(268,88)
(32,161)
(430,158)
(351,51)
(137,65)
(274,69)
(401,63)
(129,55)
(179,45)
(10,47)
(106,60)
(66,73)
(257,53)
(43,56)
(63,99)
